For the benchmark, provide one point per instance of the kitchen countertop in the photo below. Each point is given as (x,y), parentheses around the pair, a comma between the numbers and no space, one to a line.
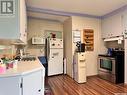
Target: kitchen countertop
(23,67)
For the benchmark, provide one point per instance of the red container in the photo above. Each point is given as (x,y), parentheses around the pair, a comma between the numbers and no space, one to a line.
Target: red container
(9,65)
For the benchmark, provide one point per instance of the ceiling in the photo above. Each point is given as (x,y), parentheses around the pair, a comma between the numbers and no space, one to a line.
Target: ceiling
(95,8)
(47,16)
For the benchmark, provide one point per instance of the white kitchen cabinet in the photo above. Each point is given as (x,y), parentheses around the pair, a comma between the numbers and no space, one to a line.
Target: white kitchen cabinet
(13,27)
(32,84)
(117,25)
(125,44)
(106,27)
(112,26)
(23,22)
(29,84)
(125,63)
(10,86)
(124,20)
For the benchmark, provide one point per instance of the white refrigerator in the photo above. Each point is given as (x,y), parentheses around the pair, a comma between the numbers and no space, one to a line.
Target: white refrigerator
(55,56)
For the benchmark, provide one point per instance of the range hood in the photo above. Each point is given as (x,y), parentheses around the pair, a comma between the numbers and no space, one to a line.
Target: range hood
(118,38)
(12,42)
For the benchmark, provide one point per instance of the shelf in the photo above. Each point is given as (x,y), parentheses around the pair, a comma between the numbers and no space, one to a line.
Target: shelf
(89,35)
(88,31)
(87,44)
(88,39)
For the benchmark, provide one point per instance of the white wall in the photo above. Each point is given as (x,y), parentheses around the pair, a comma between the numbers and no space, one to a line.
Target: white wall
(37,27)
(68,45)
(81,23)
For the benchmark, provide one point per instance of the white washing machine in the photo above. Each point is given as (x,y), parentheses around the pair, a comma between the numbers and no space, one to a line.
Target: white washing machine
(80,67)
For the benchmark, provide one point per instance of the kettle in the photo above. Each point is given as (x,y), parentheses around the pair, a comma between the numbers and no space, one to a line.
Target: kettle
(109,52)
(80,47)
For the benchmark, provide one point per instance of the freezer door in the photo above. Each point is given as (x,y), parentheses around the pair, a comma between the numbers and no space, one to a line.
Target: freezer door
(55,62)
(56,43)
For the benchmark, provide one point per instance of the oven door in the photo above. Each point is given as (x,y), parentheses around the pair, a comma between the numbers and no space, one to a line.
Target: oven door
(106,64)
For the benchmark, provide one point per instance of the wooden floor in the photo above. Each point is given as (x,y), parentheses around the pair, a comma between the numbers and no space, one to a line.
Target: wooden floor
(64,85)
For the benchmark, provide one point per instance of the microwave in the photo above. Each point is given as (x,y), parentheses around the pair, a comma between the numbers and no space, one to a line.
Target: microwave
(38,40)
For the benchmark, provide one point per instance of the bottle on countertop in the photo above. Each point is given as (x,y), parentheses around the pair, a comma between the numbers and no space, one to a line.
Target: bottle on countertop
(2,68)
(1,61)
(15,62)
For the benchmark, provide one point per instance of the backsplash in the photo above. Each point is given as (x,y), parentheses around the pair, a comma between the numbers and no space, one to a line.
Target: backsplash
(8,51)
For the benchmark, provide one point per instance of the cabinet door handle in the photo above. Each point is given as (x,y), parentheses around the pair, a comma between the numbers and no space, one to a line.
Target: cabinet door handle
(21,85)
(39,90)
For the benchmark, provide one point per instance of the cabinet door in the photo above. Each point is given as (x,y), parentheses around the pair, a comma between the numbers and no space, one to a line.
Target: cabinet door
(124,20)
(32,84)
(112,26)
(10,86)
(23,24)
(117,25)
(125,54)
(106,27)
(9,28)
(12,26)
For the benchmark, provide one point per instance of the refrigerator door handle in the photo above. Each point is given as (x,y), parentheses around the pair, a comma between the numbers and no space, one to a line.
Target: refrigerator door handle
(49,51)
(48,48)
(49,54)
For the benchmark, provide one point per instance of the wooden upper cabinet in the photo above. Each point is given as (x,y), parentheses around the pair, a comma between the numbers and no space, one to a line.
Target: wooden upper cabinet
(88,39)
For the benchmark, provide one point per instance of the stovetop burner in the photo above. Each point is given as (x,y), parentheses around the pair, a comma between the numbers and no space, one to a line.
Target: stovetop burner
(28,58)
